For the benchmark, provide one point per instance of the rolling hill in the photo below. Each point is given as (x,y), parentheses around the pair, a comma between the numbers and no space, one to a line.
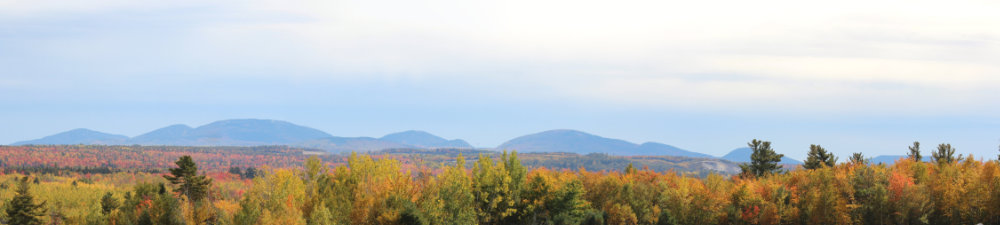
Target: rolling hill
(579,142)
(423,139)
(78,136)
(252,132)
(257,132)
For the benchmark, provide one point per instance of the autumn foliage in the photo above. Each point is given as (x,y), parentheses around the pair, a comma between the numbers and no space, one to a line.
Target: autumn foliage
(500,190)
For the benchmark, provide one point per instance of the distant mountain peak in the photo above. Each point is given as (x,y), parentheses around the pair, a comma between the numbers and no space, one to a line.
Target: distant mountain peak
(251,132)
(168,135)
(424,139)
(565,140)
(77,136)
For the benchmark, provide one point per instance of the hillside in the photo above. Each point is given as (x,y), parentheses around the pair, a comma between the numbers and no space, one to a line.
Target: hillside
(257,132)
(238,132)
(568,141)
(423,139)
(78,136)
(583,143)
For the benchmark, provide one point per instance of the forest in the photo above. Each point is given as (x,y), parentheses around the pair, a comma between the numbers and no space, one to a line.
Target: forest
(500,189)
(114,158)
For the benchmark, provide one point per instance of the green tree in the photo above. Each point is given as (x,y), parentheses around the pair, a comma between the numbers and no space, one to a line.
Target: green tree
(819,157)
(236,170)
(915,152)
(250,173)
(494,191)
(456,194)
(871,196)
(858,159)
(168,210)
(22,208)
(192,185)
(630,169)
(108,203)
(945,154)
(763,161)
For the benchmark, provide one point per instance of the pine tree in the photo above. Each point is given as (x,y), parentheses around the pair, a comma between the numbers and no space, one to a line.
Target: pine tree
(249,173)
(108,203)
(21,209)
(945,154)
(186,175)
(915,152)
(236,170)
(858,159)
(819,157)
(763,161)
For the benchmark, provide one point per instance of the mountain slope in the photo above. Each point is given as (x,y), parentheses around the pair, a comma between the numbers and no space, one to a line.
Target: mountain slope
(654,148)
(743,155)
(568,141)
(253,132)
(348,144)
(423,139)
(77,136)
(235,132)
(171,135)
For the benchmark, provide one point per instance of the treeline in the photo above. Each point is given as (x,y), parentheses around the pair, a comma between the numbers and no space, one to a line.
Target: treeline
(114,158)
(104,159)
(66,171)
(501,190)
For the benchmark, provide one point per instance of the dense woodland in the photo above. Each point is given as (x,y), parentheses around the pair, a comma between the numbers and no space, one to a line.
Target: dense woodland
(90,159)
(501,190)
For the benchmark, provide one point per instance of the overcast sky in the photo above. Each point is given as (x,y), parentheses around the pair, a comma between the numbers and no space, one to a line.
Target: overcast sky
(855,76)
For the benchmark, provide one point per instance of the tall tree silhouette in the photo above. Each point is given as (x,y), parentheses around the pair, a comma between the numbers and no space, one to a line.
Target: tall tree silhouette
(22,208)
(763,161)
(915,152)
(945,154)
(819,157)
(858,159)
(192,185)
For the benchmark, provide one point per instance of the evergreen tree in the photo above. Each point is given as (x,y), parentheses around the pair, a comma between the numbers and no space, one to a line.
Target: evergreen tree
(108,203)
(186,175)
(915,152)
(236,170)
(22,209)
(763,161)
(819,157)
(250,173)
(858,159)
(945,154)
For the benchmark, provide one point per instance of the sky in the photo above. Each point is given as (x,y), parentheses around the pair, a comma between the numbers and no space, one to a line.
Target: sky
(867,76)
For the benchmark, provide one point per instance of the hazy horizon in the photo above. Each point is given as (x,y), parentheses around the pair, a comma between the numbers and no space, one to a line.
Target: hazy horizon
(853,76)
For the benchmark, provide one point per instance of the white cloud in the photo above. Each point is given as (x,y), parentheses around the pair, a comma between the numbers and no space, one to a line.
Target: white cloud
(852,55)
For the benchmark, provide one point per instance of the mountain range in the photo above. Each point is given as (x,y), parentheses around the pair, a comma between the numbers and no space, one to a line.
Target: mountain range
(253,132)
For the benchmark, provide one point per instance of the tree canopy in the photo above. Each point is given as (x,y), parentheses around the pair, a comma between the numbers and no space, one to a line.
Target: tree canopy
(22,209)
(819,157)
(190,184)
(763,160)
